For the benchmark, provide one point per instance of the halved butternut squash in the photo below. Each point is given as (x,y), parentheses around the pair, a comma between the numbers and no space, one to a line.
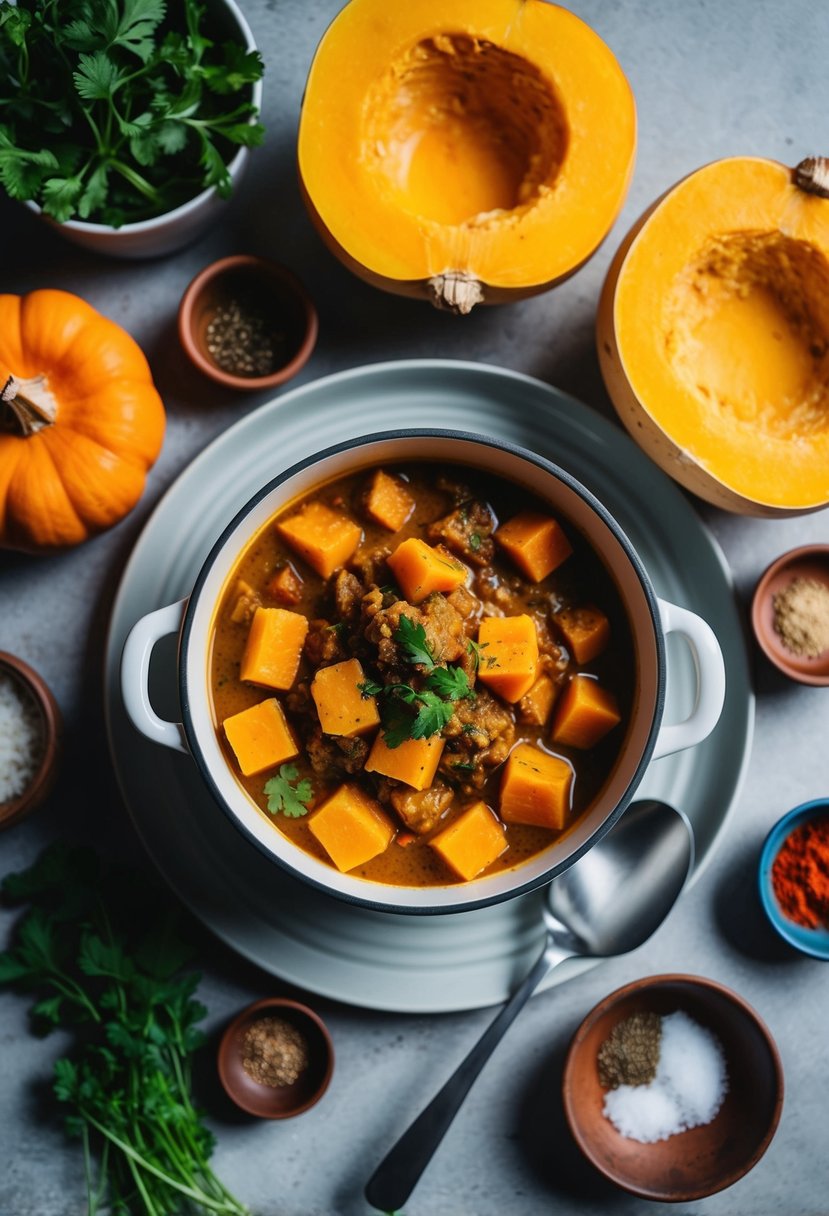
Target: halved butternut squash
(713,334)
(464,150)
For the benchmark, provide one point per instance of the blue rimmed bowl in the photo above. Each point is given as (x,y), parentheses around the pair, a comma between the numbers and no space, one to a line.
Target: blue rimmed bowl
(810,941)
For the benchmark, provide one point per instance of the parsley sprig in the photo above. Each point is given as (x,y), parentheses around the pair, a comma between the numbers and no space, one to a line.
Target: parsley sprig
(287,794)
(113,113)
(102,964)
(418,713)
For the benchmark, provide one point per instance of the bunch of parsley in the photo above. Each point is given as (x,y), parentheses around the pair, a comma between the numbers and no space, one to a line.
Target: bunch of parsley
(112,112)
(88,948)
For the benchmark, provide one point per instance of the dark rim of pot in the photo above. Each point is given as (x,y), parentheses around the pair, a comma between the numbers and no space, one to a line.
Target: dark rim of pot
(573,484)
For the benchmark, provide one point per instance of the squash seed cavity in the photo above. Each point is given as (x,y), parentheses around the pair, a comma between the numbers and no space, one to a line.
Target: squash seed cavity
(458,129)
(746,328)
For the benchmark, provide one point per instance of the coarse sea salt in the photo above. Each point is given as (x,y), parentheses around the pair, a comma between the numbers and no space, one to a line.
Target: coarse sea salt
(21,737)
(689,1087)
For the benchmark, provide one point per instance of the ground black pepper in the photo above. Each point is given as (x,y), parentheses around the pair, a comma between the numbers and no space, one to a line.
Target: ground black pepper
(630,1053)
(242,341)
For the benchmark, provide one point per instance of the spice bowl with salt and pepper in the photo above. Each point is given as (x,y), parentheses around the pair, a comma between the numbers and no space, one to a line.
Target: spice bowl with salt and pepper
(30,730)
(247,323)
(793,877)
(790,614)
(276,1058)
(673,1087)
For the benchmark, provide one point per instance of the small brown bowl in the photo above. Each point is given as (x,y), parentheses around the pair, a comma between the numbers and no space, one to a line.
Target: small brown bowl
(284,1101)
(705,1159)
(16,808)
(271,292)
(809,561)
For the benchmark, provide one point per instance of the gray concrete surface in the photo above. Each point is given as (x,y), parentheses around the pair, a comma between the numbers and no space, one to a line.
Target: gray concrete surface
(711,78)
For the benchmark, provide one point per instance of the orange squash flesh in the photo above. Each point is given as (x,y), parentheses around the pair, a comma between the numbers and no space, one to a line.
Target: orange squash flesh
(713,337)
(465,150)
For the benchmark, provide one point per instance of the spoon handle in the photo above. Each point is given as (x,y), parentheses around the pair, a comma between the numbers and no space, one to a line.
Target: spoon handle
(397,1174)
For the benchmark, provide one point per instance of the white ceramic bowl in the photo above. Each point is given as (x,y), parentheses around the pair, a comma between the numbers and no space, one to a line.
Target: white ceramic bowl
(174,229)
(650,619)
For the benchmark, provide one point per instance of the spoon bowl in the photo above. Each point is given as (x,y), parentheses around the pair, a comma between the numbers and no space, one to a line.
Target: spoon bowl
(609,902)
(618,894)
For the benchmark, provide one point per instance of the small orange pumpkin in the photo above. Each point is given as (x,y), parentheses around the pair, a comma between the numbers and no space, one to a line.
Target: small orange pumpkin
(80,421)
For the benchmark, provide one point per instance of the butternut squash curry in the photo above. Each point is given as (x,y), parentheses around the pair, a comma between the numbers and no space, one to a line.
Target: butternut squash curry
(419,677)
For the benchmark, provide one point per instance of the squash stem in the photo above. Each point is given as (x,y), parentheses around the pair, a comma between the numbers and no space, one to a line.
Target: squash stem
(812,175)
(26,406)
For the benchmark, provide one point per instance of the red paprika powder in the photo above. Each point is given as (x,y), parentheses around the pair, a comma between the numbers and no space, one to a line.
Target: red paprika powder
(800,874)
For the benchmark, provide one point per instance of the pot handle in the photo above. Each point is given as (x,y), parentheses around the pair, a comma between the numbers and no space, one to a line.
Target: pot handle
(135,674)
(710,674)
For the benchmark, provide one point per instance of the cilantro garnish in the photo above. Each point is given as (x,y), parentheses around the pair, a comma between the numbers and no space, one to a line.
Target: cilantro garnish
(288,795)
(99,948)
(114,114)
(476,650)
(451,683)
(411,638)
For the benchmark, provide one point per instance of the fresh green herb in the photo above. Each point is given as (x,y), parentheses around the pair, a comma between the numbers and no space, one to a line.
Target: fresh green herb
(369,688)
(476,649)
(469,728)
(112,112)
(474,541)
(461,764)
(337,628)
(102,965)
(287,794)
(411,713)
(410,636)
(451,683)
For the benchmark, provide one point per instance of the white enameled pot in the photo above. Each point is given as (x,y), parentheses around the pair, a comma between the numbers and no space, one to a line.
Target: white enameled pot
(650,618)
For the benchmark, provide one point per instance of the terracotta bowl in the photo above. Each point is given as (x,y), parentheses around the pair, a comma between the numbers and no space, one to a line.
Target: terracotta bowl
(266,1101)
(274,292)
(809,561)
(705,1159)
(17,808)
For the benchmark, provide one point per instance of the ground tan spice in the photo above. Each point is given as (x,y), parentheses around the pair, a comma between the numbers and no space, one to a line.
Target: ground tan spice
(274,1052)
(801,617)
(630,1053)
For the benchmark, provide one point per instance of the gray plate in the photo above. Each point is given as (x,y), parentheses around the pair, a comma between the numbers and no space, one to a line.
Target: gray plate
(377,960)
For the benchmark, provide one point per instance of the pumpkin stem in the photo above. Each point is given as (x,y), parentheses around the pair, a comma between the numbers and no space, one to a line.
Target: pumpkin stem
(812,175)
(455,291)
(26,406)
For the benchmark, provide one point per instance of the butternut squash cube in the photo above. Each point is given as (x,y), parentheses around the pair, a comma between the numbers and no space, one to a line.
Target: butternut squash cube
(286,585)
(509,660)
(421,569)
(351,827)
(388,502)
(536,788)
(413,762)
(273,648)
(323,537)
(260,737)
(535,542)
(585,713)
(535,706)
(341,707)
(471,842)
(586,631)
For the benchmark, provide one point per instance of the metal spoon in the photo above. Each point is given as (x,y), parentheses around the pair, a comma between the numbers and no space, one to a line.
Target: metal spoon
(609,902)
